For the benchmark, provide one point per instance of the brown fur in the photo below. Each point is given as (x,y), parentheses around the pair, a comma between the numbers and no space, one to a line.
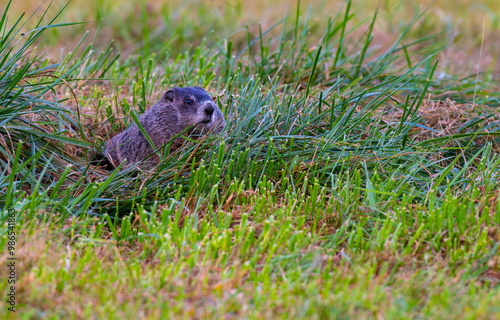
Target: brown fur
(179,109)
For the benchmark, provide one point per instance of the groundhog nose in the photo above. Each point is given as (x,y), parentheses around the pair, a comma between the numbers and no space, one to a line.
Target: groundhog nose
(209,110)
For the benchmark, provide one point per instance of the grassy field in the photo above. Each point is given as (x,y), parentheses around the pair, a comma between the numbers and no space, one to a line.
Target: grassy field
(359,177)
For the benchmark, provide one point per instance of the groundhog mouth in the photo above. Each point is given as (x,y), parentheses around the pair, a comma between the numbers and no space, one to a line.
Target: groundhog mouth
(210,126)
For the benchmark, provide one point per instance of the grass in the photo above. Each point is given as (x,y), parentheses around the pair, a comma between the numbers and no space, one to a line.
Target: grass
(359,178)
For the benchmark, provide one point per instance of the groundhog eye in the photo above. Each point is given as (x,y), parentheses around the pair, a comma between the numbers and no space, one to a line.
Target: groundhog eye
(189,101)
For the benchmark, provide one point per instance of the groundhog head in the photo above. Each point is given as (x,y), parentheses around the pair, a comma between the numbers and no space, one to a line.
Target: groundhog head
(194,107)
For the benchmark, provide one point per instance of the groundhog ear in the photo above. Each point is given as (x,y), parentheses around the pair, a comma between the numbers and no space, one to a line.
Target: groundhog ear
(170,95)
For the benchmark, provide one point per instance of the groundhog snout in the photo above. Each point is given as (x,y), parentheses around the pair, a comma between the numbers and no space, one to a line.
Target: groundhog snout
(209,110)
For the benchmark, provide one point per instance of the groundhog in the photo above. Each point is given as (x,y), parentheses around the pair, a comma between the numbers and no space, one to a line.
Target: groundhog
(179,109)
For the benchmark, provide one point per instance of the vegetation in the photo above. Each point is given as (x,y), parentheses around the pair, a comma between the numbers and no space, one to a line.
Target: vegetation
(359,176)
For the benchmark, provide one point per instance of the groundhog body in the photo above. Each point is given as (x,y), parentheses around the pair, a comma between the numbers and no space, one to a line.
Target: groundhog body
(179,109)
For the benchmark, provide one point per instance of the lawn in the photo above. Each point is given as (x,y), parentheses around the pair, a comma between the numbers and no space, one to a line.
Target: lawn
(358,175)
